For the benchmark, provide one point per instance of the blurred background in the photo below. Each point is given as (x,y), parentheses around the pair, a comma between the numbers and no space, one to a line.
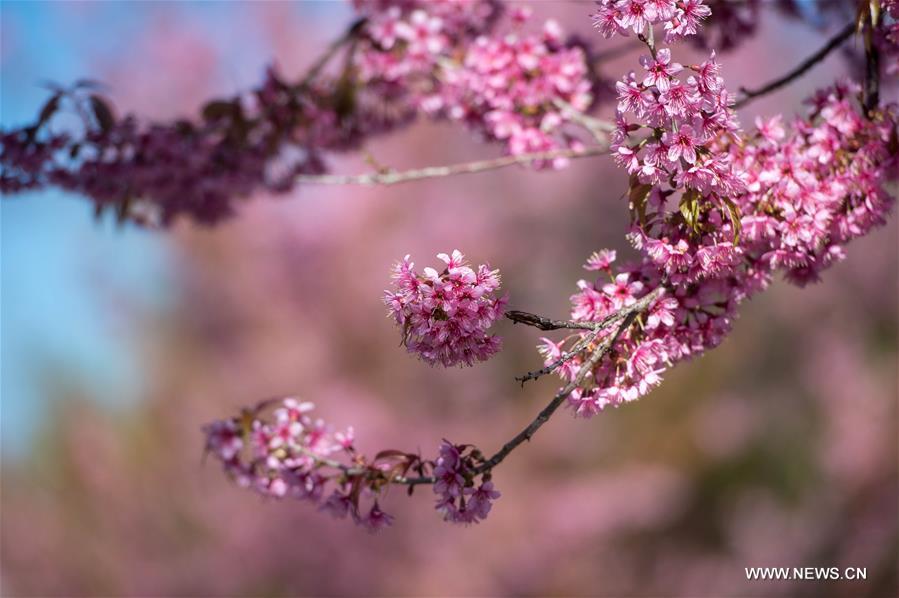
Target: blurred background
(777,449)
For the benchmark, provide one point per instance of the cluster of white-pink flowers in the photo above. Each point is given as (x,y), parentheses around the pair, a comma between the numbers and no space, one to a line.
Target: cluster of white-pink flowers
(679,17)
(406,41)
(716,214)
(682,183)
(783,199)
(445,316)
(517,88)
(286,455)
(461,501)
(808,190)
(815,186)
(277,449)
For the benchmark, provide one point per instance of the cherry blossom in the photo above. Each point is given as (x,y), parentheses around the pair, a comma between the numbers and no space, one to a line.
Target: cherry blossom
(445,315)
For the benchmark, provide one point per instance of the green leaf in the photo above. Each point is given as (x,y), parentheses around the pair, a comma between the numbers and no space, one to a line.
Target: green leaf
(734,212)
(637,196)
(689,209)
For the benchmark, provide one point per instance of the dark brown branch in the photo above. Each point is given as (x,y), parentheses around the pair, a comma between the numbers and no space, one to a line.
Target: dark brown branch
(542,323)
(871,90)
(834,42)
(523,317)
(872,81)
(575,350)
(598,353)
(420,481)
(623,317)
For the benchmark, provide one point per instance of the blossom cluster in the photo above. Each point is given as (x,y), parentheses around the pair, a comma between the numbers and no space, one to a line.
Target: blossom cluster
(517,88)
(445,315)
(783,199)
(289,455)
(807,190)
(278,450)
(681,181)
(151,173)
(454,472)
(259,140)
(679,17)
(406,40)
(813,187)
(441,58)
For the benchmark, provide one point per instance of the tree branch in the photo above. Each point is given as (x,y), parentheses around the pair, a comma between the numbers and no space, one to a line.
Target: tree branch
(834,42)
(523,317)
(598,353)
(575,350)
(623,317)
(871,90)
(396,177)
(626,315)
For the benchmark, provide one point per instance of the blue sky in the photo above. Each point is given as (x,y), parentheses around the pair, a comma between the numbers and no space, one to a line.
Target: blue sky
(58,326)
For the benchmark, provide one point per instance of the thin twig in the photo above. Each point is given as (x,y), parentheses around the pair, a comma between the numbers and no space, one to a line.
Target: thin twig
(419,481)
(834,42)
(597,327)
(628,314)
(523,317)
(351,471)
(598,353)
(395,177)
(575,350)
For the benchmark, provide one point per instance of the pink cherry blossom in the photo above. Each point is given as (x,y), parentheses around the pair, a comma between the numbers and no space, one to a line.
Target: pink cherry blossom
(444,316)
(660,69)
(601,260)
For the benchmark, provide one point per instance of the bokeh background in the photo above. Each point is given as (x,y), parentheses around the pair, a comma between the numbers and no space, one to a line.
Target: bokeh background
(777,449)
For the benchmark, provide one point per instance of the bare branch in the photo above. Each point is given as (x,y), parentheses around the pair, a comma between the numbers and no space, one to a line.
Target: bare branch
(623,317)
(396,177)
(598,353)
(523,317)
(350,471)
(834,42)
(420,481)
